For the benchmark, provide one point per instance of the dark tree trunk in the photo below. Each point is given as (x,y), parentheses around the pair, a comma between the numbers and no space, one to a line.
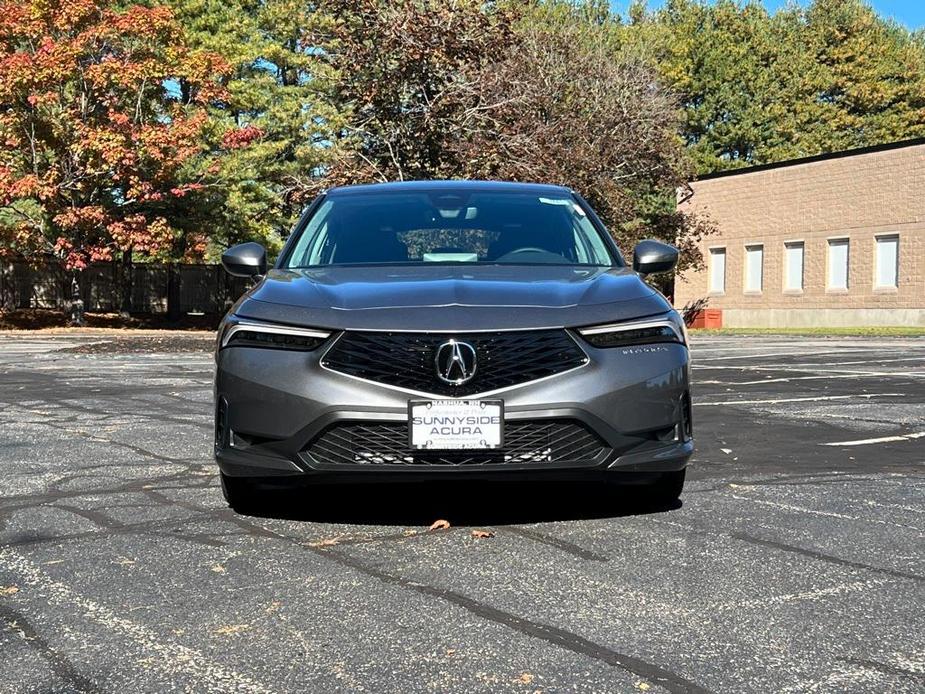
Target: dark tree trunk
(173,292)
(126,282)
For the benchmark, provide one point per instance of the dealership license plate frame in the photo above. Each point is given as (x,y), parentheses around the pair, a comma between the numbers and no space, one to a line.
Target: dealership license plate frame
(480,403)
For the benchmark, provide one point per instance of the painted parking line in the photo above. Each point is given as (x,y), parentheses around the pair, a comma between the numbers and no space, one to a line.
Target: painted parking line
(793,508)
(805,366)
(806,596)
(698,356)
(829,376)
(169,656)
(882,439)
(774,401)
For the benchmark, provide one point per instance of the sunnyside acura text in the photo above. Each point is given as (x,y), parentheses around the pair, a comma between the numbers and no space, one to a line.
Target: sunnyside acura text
(477,329)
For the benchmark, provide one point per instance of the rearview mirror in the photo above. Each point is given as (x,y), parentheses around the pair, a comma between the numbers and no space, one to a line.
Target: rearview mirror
(652,256)
(245,260)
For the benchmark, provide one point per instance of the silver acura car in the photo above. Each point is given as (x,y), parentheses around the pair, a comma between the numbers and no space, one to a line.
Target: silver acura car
(478,330)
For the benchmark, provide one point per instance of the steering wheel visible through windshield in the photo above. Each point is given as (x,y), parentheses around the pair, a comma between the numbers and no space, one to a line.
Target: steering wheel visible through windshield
(436,226)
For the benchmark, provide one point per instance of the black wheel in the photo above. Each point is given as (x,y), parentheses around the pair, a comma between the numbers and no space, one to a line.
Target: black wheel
(240,493)
(656,489)
(667,488)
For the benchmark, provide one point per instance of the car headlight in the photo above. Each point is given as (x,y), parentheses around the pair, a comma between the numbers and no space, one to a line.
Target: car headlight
(658,329)
(246,333)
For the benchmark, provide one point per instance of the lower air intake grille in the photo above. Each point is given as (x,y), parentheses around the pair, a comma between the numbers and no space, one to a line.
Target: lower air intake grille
(539,442)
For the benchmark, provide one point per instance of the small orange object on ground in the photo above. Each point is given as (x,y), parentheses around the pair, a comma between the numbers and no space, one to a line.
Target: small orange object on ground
(708,318)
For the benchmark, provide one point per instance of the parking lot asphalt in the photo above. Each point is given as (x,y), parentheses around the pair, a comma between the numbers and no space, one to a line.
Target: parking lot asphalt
(795,562)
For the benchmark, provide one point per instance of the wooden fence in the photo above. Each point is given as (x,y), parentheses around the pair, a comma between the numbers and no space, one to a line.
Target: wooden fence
(146,288)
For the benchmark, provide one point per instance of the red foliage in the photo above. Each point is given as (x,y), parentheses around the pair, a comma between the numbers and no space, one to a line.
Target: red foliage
(241,137)
(94,137)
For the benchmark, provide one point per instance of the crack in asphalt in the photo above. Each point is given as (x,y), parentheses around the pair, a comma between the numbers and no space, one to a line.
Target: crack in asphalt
(169,655)
(60,664)
(558,543)
(554,635)
(888,668)
(54,495)
(101,439)
(68,406)
(15,502)
(163,490)
(824,557)
(821,556)
(787,481)
(545,632)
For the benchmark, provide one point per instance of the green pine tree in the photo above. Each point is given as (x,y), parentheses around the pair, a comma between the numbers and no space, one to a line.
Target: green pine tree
(759,88)
(280,94)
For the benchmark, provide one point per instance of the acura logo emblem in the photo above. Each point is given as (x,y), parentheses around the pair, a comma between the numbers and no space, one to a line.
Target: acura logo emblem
(456,362)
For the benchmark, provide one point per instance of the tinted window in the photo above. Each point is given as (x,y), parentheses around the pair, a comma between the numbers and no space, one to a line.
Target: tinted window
(449,227)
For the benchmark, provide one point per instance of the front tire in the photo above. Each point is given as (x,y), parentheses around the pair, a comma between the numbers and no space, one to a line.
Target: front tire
(660,490)
(667,488)
(240,493)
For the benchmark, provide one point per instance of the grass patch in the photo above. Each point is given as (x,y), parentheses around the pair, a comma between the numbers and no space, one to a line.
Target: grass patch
(874,331)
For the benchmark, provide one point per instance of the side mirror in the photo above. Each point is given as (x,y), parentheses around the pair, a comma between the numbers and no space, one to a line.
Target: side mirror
(245,260)
(651,256)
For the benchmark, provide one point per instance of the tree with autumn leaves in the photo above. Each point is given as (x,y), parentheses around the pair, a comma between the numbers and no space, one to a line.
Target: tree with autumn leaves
(511,91)
(102,154)
(170,129)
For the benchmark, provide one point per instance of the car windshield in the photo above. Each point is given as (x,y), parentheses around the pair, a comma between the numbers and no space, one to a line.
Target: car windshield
(449,226)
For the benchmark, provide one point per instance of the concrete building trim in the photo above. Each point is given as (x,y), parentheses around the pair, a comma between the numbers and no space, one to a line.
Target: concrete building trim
(822,317)
(873,198)
(884,147)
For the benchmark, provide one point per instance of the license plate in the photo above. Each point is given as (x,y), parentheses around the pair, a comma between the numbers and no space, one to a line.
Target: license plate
(455,424)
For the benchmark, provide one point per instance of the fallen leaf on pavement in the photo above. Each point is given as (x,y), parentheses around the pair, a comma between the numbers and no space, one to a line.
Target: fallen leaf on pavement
(524,678)
(8,590)
(440,524)
(231,629)
(482,534)
(644,686)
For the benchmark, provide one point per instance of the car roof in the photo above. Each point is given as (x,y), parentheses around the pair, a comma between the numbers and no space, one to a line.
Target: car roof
(457,185)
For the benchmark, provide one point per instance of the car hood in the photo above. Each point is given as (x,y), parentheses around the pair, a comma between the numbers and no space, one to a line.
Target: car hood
(447,297)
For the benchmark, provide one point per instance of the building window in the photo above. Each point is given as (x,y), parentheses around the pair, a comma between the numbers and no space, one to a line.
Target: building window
(887,261)
(793,266)
(717,270)
(754,262)
(838,263)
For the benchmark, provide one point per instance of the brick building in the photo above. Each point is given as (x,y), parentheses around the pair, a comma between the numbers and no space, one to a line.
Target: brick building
(833,240)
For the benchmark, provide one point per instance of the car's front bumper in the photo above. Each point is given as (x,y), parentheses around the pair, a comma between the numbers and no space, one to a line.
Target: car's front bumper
(273,405)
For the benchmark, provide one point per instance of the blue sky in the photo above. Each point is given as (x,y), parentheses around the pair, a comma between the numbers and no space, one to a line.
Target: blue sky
(908,12)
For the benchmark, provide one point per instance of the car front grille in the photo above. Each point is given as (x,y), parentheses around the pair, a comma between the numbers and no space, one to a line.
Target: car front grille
(408,360)
(527,442)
